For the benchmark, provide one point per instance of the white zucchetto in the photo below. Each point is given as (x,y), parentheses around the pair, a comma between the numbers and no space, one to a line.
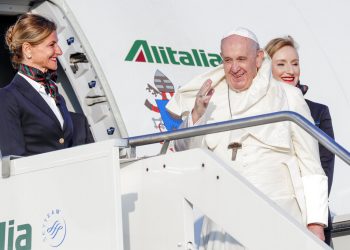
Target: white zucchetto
(240,31)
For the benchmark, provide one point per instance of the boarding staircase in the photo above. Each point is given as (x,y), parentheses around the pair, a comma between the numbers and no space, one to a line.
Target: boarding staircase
(92,199)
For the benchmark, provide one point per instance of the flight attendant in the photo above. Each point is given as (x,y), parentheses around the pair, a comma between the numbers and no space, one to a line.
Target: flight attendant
(34,116)
(286,68)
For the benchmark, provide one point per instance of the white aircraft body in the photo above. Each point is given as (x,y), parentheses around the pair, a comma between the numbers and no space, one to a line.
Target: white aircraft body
(122,60)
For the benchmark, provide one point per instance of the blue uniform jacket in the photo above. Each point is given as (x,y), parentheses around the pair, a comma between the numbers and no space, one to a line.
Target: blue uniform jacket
(321,116)
(28,126)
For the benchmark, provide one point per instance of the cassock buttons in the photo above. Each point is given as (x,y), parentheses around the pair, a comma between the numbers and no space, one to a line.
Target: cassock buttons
(61,140)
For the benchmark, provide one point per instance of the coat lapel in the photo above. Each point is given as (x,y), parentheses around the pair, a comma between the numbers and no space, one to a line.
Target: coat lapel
(68,124)
(34,97)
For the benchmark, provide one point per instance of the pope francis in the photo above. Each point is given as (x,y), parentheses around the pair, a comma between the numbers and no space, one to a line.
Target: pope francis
(280,159)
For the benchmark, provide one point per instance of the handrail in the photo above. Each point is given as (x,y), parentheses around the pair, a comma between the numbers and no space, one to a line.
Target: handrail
(302,122)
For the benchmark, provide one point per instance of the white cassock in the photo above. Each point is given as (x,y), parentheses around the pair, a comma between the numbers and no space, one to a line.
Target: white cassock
(280,159)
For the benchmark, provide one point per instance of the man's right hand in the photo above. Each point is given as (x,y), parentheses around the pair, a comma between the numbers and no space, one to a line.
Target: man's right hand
(202,100)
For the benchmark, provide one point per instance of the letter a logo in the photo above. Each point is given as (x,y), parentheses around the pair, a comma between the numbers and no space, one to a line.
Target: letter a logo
(140,52)
(140,57)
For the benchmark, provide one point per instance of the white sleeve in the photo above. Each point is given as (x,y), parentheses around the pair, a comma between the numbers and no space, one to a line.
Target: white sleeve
(316,197)
(313,177)
(192,142)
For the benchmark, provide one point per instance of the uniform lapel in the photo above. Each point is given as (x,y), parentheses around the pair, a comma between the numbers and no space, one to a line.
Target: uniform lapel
(68,124)
(34,97)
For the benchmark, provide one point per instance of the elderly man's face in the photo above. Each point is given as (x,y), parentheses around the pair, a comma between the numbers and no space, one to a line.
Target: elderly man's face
(241,60)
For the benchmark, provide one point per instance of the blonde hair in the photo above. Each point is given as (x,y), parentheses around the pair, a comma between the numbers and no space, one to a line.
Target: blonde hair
(30,28)
(278,43)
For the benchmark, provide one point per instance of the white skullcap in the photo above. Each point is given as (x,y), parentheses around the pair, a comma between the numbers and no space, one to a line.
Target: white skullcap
(240,31)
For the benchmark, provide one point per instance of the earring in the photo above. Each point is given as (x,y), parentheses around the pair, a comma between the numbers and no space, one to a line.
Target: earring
(29,56)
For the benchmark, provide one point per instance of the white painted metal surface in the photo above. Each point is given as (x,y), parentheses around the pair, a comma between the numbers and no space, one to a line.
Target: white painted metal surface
(87,79)
(72,199)
(109,29)
(158,190)
(106,30)
(341,243)
(341,240)
(68,199)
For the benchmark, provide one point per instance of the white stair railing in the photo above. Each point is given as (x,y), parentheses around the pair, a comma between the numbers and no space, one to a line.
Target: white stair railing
(159,193)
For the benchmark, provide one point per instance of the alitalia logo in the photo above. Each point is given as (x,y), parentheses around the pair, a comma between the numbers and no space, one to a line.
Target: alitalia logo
(15,236)
(141,51)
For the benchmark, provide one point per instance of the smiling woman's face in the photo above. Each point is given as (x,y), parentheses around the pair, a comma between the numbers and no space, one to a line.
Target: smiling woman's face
(44,55)
(285,65)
